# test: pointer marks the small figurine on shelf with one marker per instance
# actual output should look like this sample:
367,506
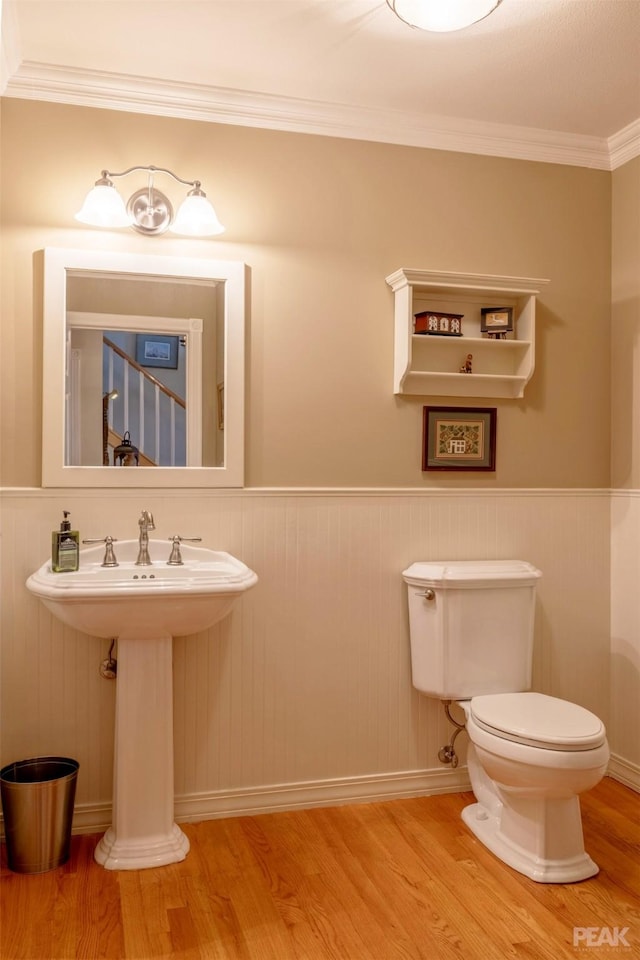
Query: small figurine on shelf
467,366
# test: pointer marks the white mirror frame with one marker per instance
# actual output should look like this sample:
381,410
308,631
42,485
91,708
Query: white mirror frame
55,473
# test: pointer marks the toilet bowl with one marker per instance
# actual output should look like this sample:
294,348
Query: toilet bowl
529,757
471,628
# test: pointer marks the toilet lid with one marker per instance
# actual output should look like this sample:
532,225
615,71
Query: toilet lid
538,720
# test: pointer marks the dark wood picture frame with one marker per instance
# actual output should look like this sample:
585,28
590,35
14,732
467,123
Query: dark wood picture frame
496,320
459,438
157,350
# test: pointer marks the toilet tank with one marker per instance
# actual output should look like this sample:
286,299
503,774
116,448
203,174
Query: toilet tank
471,626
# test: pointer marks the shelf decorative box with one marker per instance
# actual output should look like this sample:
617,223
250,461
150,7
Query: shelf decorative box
438,324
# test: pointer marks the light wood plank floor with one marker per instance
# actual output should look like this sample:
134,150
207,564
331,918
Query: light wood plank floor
402,879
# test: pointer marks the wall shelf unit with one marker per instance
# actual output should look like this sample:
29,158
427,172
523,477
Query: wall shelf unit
428,365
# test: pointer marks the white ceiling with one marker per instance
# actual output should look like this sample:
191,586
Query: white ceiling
553,80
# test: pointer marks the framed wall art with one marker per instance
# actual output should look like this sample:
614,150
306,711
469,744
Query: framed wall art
496,321
156,350
459,438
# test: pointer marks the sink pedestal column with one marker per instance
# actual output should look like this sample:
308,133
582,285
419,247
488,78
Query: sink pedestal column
143,832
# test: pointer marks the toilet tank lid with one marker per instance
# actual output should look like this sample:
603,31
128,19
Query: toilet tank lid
537,718
471,573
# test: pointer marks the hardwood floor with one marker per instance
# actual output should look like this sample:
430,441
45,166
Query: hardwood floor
402,879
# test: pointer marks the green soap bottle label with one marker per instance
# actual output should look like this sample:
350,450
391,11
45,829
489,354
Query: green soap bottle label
67,554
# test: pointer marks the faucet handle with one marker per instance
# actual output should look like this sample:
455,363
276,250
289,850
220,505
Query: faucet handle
175,560
109,555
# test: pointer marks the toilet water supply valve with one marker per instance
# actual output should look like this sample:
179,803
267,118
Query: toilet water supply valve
109,667
447,754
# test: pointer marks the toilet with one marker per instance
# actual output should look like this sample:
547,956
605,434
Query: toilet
530,755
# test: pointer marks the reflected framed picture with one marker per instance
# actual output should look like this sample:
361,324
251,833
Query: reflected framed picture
156,350
459,438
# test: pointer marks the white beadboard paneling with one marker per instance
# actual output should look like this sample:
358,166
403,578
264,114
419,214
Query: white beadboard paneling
309,680
624,729
54,701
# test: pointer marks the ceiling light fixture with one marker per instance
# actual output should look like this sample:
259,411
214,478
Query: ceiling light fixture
442,16
148,210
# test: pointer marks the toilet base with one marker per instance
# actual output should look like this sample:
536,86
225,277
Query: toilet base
489,826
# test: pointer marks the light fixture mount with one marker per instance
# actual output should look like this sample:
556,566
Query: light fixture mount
148,210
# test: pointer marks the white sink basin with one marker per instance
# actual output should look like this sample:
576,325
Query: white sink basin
144,607
145,601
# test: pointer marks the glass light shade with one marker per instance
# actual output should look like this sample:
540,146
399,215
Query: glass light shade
196,218
442,16
104,207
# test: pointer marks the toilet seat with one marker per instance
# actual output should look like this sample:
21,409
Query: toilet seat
538,720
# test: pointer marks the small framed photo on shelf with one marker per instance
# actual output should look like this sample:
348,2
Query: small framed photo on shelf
496,321
155,350
459,438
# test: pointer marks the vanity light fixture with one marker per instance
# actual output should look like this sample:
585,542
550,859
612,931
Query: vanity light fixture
442,16
148,210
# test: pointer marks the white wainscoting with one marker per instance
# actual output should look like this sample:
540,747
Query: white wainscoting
303,695
624,717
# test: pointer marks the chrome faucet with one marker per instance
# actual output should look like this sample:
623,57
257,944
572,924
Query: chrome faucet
145,523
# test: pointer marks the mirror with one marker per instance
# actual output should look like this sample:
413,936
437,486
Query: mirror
143,370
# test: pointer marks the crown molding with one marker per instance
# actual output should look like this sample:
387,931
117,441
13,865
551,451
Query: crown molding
625,145
133,94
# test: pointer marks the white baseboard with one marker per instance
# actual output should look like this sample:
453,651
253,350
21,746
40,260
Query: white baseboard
91,817
320,793
624,771
250,801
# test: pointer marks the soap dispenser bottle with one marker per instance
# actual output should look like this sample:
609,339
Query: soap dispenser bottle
65,547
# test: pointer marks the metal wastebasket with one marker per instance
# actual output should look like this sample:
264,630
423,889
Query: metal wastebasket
37,802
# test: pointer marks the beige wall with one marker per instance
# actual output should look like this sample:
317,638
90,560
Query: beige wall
321,222
625,327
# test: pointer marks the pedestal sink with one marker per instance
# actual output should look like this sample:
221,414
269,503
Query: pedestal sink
144,607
